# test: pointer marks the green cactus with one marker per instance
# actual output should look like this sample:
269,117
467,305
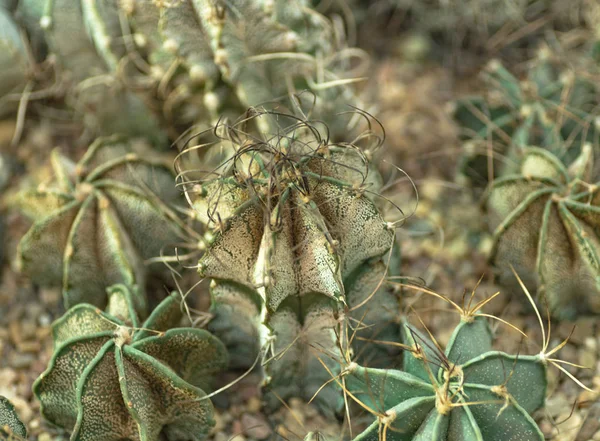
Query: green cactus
14,62
546,223
109,380
11,427
296,246
184,62
468,392
97,221
552,108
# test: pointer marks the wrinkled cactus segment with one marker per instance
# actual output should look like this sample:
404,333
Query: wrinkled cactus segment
96,222
109,379
11,426
546,223
137,63
291,225
552,108
467,392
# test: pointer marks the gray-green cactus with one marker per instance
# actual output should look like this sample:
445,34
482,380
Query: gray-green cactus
97,221
546,223
467,392
296,247
185,62
552,108
11,426
109,379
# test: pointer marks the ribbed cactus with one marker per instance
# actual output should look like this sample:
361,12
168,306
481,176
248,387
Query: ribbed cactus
11,426
109,379
97,221
546,223
136,62
468,392
296,247
553,108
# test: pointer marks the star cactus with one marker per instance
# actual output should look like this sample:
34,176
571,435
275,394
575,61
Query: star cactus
467,392
546,223
295,246
11,426
97,221
109,379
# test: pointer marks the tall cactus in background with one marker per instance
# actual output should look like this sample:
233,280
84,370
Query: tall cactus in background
135,63
297,252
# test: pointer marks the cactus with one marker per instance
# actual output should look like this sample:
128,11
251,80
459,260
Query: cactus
295,244
97,221
184,62
11,427
546,223
109,380
468,392
552,108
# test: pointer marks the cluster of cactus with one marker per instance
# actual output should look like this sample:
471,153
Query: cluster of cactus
112,378
538,139
296,247
467,392
133,64
552,108
97,221
11,426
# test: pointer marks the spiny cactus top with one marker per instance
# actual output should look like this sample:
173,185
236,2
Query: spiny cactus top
111,380
200,58
11,427
468,392
97,221
552,108
546,221
294,236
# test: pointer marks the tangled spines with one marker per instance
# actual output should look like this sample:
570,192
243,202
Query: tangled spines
116,379
151,68
467,392
293,232
97,221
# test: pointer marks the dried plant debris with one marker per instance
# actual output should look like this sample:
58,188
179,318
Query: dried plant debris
546,223
555,107
97,221
296,247
469,391
11,427
109,379
135,64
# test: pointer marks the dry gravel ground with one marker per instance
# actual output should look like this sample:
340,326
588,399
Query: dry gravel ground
437,246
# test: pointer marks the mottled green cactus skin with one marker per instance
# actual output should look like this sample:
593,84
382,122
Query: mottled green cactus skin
11,427
183,62
109,379
469,392
552,108
14,61
97,221
546,223
296,240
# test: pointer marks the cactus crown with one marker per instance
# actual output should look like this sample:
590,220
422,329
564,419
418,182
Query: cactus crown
87,230
546,218
469,391
112,379
292,227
